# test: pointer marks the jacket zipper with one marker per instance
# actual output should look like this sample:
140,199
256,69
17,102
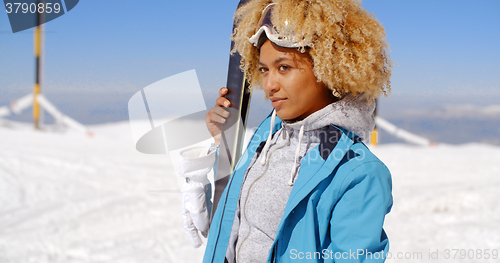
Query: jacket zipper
264,173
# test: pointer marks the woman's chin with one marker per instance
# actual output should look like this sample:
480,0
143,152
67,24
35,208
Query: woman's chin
285,116
280,114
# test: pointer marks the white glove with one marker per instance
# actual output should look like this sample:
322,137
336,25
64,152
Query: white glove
194,165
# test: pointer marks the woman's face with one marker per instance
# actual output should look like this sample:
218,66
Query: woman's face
290,84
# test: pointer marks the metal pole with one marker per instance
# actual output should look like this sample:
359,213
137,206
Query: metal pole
38,61
374,137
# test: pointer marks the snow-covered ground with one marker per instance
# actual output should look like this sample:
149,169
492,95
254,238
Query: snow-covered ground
446,197
73,198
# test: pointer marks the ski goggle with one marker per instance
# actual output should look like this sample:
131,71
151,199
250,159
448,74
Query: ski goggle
282,39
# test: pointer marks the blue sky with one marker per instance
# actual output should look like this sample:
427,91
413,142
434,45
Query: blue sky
445,50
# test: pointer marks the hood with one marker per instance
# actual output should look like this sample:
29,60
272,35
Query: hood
352,113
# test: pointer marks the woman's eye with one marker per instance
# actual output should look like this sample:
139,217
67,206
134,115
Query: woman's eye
262,70
284,67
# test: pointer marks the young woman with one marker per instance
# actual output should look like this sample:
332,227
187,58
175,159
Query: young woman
307,187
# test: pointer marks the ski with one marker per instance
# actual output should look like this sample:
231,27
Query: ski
233,130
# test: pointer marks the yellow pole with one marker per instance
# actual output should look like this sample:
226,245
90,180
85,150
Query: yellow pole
374,137
37,50
36,91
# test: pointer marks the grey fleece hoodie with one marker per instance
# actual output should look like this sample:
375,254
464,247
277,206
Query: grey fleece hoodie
269,181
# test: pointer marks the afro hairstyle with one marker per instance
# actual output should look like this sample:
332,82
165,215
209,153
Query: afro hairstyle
346,44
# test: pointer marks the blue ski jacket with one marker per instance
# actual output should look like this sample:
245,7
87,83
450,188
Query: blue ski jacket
335,212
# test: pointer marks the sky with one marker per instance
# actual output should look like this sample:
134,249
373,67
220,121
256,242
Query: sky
103,51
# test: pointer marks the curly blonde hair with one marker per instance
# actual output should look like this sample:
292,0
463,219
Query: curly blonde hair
346,44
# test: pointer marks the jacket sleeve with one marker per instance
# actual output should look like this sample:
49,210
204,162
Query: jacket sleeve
357,220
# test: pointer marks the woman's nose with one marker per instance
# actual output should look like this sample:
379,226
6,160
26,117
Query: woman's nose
270,83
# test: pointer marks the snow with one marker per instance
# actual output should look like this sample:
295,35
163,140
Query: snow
445,197
73,198
68,197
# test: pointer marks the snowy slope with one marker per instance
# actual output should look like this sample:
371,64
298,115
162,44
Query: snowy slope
72,198
446,197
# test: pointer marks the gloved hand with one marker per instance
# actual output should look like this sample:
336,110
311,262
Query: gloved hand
194,165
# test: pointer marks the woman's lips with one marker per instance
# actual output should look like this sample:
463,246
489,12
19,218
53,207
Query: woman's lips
276,102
